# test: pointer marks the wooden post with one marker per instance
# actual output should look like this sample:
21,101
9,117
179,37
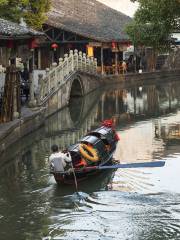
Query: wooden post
102,60
116,63
11,99
32,101
39,58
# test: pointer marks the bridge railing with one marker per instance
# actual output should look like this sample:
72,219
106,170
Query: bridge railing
59,73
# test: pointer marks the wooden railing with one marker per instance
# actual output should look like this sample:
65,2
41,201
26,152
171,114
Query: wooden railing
59,73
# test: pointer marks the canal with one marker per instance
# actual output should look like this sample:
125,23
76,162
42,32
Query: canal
127,204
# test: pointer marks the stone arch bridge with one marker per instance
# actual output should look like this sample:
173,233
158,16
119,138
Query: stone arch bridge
75,75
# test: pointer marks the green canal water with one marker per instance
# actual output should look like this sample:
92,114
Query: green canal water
126,204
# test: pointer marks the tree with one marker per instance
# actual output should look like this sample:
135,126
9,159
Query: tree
33,11
154,22
166,11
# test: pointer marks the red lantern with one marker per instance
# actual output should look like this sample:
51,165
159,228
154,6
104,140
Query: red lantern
10,44
33,43
114,45
54,46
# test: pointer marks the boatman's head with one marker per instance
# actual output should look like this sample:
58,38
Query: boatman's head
54,148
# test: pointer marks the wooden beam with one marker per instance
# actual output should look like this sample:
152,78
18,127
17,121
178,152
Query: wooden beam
3,37
58,35
48,29
102,60
64,42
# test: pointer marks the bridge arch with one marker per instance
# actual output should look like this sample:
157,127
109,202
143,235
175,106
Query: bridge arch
76,88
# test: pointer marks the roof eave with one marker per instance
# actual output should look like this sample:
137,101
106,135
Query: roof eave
89,36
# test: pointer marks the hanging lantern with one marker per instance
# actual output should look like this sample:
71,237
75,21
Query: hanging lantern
54,46
10,44
114,45
33,43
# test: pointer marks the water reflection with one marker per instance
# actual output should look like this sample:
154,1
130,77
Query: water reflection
122,204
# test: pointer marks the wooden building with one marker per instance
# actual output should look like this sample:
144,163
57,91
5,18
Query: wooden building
86,25
17,44
16,41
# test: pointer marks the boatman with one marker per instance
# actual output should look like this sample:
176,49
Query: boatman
59,160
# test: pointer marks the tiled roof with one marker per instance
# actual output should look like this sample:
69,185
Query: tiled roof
11,29
88,18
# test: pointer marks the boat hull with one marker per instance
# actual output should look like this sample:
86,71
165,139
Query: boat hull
80,174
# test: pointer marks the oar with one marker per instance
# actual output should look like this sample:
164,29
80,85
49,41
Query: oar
128,165
75,179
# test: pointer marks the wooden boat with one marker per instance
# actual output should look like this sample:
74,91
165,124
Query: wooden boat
95,149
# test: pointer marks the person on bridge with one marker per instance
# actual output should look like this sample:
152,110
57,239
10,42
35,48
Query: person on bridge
58,160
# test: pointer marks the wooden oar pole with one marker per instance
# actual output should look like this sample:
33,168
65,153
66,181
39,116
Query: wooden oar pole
75,179
154,164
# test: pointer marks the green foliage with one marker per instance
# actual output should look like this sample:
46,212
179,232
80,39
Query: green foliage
36,16
33,11
154,22
163,11
149,35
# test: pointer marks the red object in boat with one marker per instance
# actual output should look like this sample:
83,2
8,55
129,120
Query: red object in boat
108,123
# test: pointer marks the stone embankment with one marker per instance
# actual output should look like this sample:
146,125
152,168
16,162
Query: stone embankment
130,80
13,131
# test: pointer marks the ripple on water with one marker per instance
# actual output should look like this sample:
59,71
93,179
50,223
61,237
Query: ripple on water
117,215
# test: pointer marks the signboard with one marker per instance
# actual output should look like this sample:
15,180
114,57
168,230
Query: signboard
90,51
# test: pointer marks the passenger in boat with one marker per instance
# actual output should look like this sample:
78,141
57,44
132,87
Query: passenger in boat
58,160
